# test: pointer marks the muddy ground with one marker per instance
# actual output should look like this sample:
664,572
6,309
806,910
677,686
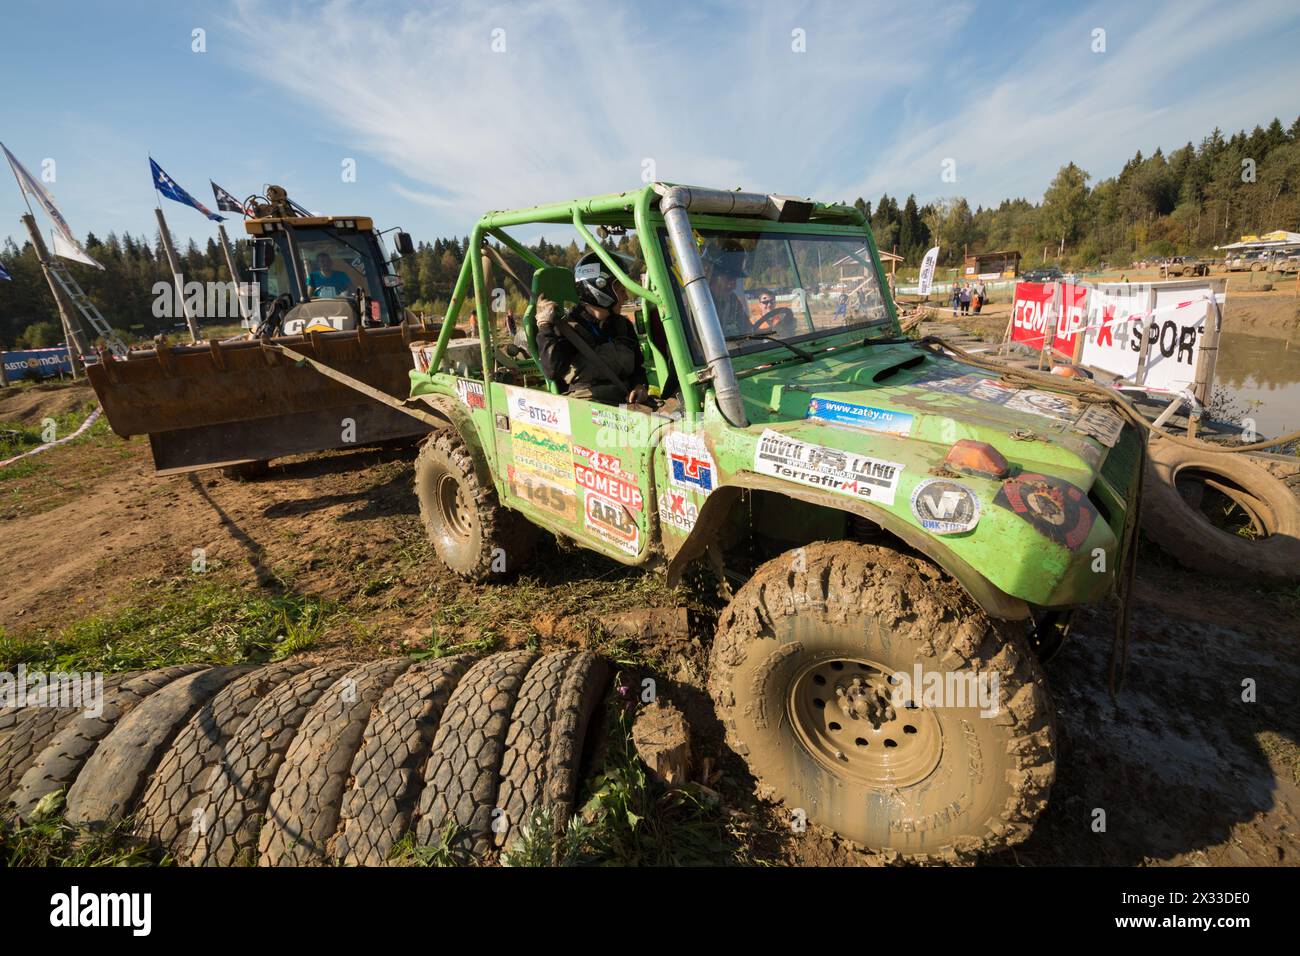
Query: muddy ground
1186,772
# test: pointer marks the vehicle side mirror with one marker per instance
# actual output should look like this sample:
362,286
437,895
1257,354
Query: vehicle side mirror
403,243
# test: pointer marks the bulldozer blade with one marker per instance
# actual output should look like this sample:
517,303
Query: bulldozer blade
222,403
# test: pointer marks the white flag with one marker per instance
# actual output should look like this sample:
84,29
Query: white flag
69,248
927,271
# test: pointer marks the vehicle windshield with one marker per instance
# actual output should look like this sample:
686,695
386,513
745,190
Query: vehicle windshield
786,286
335,266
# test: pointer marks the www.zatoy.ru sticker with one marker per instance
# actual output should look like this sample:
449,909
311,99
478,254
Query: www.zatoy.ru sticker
1057,510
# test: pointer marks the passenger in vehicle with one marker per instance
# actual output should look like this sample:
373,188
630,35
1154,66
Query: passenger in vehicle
592,350
725,269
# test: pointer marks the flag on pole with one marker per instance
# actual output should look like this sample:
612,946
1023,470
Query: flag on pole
169,188
65,243
227,202
927,271
5,275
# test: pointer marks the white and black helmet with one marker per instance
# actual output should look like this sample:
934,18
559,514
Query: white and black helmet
594,280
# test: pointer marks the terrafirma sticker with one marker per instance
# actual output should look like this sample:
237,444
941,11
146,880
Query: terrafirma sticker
830,469
75,909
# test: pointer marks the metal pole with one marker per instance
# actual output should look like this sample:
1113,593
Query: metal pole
236,275
72,332
177,278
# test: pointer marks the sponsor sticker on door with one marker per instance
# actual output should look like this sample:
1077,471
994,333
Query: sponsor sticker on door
690,466
612,522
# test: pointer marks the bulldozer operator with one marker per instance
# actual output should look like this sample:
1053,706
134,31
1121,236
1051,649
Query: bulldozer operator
326,282
591,350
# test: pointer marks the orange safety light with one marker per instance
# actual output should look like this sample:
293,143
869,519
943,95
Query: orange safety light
977,458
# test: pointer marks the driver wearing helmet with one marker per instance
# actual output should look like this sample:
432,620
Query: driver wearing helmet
592,351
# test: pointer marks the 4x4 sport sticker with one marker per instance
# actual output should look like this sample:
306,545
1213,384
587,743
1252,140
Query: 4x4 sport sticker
1057,509
827,468
945,507
860,416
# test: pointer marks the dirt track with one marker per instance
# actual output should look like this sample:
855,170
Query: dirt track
1186,772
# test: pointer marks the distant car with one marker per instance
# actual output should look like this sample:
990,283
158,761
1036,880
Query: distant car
1043,274
1186,266
1290,265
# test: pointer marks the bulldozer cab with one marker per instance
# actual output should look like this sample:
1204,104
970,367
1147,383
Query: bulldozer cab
330,274
327,294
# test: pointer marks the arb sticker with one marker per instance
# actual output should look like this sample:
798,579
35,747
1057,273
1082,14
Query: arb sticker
612,522
1057,509
945,507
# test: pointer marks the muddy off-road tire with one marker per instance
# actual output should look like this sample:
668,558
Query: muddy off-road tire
59,763
115,775
463,773
303,812
177,786
473,534
24,732
799,674
388,772
228,819
544,744
1173,518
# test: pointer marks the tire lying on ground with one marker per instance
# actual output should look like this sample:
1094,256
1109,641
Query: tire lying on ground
115,775
804,674
462,777
176,787
544,743
388,772
59,763
1176,484
228,819
24,732
303,812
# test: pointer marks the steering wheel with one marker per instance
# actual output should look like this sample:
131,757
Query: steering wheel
780,319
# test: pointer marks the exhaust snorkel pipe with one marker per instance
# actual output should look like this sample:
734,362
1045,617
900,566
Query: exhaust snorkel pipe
673,205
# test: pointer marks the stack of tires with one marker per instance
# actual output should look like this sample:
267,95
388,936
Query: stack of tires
316,764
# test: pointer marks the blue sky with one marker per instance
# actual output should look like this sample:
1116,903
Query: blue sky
442,127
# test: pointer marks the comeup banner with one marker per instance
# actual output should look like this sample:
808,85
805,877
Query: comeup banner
1162,336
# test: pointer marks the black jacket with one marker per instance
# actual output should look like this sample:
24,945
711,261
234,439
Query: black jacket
613,339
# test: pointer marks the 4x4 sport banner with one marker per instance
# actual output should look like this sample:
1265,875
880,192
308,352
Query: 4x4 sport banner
1110,319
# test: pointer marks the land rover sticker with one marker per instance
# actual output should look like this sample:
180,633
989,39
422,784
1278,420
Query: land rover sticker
945,507
827,468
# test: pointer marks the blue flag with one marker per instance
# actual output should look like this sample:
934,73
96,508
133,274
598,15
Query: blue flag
4,275
172,190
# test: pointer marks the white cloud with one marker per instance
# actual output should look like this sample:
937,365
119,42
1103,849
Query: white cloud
714,95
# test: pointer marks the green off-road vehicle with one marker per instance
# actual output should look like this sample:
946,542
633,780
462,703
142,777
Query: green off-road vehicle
908,535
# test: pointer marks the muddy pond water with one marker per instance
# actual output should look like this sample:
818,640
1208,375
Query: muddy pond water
1260,378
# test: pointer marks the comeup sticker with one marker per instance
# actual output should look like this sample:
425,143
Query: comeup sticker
945,507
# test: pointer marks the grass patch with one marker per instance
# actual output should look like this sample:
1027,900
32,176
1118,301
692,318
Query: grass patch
184,621
18,437
50,840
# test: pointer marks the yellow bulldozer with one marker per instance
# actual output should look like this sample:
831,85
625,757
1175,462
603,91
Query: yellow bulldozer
325,292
